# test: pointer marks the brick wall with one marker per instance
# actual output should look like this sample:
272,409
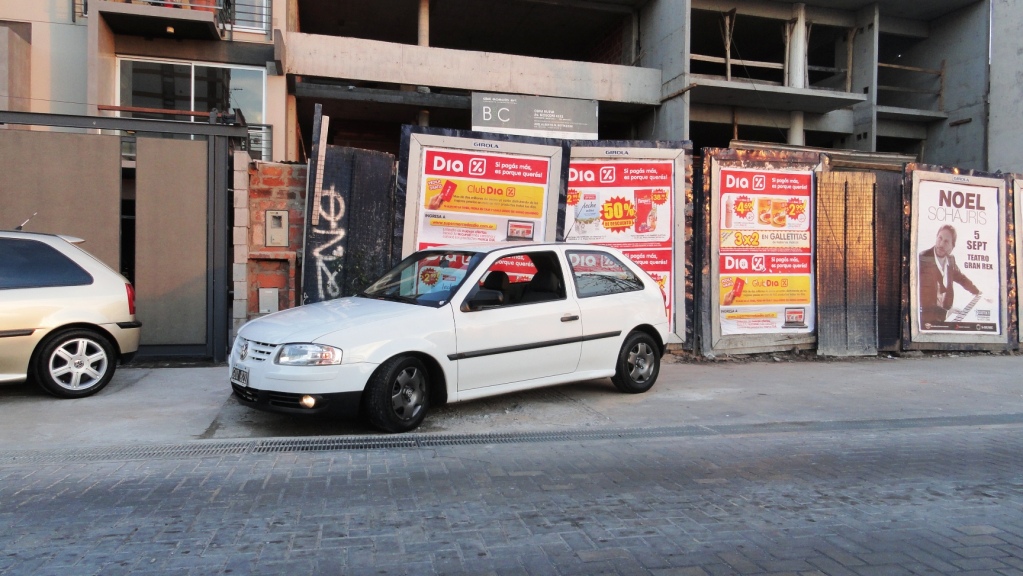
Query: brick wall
259,187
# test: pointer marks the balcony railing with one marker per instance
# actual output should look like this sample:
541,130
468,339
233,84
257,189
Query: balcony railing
231,15
261,143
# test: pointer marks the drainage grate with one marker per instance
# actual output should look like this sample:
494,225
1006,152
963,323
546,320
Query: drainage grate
214,448
196,450
330,443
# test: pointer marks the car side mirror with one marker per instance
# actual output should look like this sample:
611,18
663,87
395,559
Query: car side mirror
483,298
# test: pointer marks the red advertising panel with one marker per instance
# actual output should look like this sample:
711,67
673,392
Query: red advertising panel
628,205
765,267
471,196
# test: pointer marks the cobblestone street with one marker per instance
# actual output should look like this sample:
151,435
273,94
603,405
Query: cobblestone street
885,497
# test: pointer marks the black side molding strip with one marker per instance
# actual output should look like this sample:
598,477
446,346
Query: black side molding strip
13,333
126,325
533,346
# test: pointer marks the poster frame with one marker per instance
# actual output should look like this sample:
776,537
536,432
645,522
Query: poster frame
417,139
680,153
915,173
712,342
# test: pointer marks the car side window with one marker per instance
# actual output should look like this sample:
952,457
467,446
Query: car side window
598,274
525,278
28,263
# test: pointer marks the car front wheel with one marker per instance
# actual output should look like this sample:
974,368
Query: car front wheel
75,363
638,364
398,395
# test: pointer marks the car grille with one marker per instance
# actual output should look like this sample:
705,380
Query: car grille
247,394
284,399
278,399
260,351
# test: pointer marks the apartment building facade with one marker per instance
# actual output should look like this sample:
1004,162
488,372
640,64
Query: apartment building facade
933,78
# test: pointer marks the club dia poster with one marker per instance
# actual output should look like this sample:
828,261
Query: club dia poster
470,197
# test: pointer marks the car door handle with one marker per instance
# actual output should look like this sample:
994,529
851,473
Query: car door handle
569,318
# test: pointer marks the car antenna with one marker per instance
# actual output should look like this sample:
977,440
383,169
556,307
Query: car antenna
22,225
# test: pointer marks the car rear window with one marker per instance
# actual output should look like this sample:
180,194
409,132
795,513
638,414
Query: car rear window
28,263
599,274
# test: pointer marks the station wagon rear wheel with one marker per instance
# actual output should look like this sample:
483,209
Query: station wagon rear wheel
398,394
639,363
75,363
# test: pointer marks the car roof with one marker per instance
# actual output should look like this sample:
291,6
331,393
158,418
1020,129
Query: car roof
40,235
487,247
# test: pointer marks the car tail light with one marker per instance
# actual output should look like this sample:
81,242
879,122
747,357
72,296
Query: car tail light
131,298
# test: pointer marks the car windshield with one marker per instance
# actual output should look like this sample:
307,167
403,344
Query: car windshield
428,278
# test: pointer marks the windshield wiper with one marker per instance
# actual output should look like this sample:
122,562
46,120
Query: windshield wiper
391,297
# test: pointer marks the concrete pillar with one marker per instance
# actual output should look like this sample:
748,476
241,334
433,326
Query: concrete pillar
424,40
424,22
797,69
797,136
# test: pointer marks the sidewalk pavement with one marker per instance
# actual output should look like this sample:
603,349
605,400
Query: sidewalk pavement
145,405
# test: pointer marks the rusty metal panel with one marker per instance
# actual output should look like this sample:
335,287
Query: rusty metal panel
691,249
845,264
888,258
1014,222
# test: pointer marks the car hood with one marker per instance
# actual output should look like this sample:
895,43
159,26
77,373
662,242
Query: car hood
312,322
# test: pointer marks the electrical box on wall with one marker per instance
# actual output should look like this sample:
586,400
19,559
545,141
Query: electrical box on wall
277,228
268,300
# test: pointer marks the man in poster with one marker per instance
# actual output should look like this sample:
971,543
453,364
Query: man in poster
938,274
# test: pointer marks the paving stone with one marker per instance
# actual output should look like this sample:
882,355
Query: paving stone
906,500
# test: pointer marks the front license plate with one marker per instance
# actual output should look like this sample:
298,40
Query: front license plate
240,375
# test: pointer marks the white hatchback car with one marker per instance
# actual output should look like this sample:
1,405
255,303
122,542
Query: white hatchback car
455,323
66,318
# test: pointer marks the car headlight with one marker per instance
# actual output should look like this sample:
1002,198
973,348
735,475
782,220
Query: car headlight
308,355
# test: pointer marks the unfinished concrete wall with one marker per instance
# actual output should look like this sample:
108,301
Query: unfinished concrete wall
865,48
1006,105
337,57
959,40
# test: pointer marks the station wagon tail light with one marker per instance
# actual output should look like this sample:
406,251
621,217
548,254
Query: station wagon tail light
308,355
131,297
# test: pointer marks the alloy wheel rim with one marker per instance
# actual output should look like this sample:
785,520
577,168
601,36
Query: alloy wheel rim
641,362
78,364
408,393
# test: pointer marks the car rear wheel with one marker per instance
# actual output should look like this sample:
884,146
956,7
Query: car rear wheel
639,363
398,395
75,363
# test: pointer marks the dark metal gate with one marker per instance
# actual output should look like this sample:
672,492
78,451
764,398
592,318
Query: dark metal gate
353,223
172,202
